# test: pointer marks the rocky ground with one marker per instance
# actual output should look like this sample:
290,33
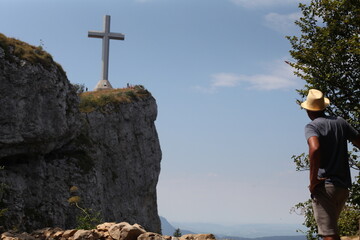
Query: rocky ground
105,231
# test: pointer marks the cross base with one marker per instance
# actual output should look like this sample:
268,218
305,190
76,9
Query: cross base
103,84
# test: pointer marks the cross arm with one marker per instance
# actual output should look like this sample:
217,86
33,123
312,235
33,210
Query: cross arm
118,36
96,34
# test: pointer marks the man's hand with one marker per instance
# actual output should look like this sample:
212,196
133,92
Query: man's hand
314,183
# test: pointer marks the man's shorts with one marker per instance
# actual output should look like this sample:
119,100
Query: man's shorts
328,201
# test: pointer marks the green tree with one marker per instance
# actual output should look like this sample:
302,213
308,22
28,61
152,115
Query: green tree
327,57
327,54
177,233
79,88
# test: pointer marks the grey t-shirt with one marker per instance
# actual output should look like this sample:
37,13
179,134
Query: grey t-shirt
333,133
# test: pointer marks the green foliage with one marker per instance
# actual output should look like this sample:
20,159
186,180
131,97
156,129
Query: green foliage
349,220
87,219
327,54
301,161
327,57
305,209
177,233
79,88
90,101
130,94
354,198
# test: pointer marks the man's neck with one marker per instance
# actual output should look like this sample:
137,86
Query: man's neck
314,115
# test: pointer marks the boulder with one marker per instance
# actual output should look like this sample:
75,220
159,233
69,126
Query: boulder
150,236
69,233
125,231
86,235
16,236
105,226
48,233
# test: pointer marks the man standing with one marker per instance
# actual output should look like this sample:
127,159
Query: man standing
329,166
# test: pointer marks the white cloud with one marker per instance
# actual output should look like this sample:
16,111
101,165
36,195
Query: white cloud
268,82
225,80
262,3
283,23
280,76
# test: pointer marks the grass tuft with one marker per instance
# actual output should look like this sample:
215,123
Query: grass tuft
90,101
26,52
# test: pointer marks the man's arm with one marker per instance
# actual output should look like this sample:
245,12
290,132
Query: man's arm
314,157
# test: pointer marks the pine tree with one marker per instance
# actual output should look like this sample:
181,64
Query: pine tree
177,233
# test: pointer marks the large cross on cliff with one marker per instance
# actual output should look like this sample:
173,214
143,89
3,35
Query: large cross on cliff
106,35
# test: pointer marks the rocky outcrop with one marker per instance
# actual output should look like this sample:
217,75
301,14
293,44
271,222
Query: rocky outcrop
105,231
38,108
48,148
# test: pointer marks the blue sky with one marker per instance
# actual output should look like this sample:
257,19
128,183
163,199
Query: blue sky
228,122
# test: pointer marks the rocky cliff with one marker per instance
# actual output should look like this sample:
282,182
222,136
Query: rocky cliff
47,146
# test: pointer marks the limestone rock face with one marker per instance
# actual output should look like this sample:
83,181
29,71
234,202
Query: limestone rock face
112,155
38,108
128,134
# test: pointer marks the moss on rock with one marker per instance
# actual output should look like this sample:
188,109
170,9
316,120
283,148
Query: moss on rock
14,47
90,101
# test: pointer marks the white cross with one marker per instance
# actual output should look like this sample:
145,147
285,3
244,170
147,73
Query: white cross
106,35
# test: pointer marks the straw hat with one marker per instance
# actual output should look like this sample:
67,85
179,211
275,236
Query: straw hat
315,101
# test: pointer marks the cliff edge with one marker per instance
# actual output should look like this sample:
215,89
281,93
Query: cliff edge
111,153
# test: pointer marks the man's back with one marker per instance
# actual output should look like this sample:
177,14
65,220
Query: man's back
333,133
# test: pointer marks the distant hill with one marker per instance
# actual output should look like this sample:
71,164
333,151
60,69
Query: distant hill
242,230
265,238
168,229
238,232
283,238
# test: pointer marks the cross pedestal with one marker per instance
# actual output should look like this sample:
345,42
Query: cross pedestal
106,35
